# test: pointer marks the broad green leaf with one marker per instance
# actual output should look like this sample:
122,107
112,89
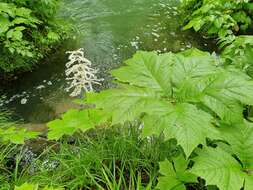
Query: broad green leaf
248,183
74,120
192,65
175,175
240,138
53,36
228,111
23,12
8,8
147,69
27,186
219,168
16,135
4,24
189,125
223,92
231,86
200,90
194,52
14,34
127,103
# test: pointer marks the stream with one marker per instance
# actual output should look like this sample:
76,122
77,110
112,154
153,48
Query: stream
110,31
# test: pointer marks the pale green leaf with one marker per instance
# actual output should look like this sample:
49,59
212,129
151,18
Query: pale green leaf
27,186
175,175
127,103
74,120
16,135
189,125
219,168
147,69
4,24
240,138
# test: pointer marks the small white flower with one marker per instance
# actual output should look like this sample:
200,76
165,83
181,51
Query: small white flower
23,101
40,87
49,83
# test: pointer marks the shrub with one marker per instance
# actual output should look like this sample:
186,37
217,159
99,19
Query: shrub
219,17
28,32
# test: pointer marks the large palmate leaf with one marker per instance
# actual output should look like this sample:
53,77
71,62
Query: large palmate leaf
74,120
177,94
223,92
189,125
175,175
148,70
219,168
16,135
240,139
192,64
127,102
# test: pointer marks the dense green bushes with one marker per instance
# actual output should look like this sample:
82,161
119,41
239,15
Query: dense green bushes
228,21
220,18
28,32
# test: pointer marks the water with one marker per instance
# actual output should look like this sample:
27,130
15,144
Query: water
110,32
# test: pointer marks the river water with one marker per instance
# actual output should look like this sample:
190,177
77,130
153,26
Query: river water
110,31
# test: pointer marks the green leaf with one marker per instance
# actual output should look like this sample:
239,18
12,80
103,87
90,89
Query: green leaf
192,65
189,125
53,36
175,175
223,92
240,138
4,24
182,105
74,120
27,186
14,34
147,70
219,168
16,135
127,103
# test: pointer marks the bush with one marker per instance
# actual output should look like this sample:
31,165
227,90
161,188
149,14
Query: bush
28,31
219,17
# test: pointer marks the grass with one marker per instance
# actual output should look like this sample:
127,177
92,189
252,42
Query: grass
114,158
111,159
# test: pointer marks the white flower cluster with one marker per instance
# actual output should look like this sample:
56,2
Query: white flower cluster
80,74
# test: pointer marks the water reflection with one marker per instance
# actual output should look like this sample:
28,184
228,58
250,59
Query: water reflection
111,31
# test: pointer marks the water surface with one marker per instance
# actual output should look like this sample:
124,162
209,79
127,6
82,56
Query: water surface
110,31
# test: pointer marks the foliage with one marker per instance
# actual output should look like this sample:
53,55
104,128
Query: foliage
16,135
227,20
230,167
5,152
239,53
192,110
28,31
220,17
183,105
188,96
27,186
175,174
9,132
72,121
108,158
